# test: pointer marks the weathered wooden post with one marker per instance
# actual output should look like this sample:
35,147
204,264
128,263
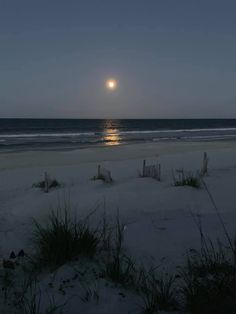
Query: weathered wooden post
144,166
159,172
108,177
46,181
99,171
205,164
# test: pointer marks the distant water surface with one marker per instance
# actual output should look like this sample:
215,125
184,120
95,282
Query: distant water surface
25,134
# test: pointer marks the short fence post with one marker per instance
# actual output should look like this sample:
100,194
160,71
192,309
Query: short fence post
159,172
99,171
144,165
205,164
46,187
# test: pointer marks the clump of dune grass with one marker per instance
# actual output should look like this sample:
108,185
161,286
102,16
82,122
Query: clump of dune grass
120,269
64,239
209,278
42,185
31,302
21,292
7,283
187,179
91,292
209,282
117,266
158,292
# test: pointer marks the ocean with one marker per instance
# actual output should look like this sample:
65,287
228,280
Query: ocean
33,134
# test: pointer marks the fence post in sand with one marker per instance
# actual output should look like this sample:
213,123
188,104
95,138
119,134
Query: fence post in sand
159,172
46,187
205,164
144,165
99,171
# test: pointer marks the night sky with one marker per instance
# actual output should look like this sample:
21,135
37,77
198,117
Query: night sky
172,58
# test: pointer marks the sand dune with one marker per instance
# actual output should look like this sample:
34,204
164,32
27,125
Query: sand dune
158,216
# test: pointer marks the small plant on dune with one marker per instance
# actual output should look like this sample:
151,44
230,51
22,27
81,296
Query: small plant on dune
41,184
31,302
7,283
209,290
209,279
158,293
187,179
106,234
118,267
64,239
91,292
155,290
53,308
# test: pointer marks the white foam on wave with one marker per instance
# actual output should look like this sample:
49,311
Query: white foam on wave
31,135
179,130
112,132
203,137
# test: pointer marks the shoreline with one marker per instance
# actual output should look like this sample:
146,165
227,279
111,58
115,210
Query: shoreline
70,148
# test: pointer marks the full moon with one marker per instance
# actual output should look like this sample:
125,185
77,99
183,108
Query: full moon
111,84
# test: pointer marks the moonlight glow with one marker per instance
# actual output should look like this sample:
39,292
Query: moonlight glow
111,84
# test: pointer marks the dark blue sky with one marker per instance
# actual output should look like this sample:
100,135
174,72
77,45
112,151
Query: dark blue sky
172,58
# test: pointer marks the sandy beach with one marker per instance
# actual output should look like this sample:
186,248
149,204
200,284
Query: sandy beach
159,218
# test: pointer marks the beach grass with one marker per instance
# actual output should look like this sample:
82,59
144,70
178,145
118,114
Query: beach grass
64,239
209,280
187,179
42,185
